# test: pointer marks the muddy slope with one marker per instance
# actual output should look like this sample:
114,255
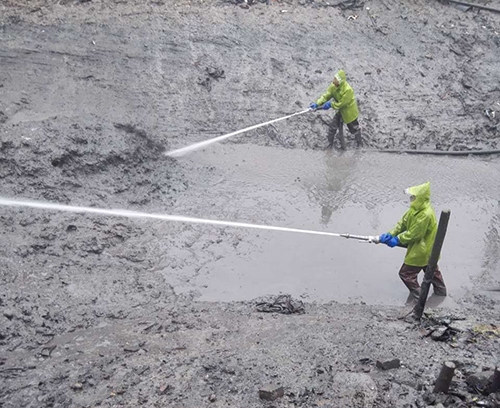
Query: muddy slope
423,72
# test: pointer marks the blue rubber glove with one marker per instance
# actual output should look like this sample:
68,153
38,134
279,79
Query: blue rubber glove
385,238
313,105
394,241
327,105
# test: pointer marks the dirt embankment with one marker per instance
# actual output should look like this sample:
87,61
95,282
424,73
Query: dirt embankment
93,92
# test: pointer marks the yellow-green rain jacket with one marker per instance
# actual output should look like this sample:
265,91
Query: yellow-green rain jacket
417,229
345,102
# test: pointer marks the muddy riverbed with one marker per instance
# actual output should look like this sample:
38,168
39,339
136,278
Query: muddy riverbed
102,312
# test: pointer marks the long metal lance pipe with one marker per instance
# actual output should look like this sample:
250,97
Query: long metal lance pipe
201,145
136,214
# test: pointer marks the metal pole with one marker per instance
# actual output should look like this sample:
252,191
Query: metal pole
433,261
478,6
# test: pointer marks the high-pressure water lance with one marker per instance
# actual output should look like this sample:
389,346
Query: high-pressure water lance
368,239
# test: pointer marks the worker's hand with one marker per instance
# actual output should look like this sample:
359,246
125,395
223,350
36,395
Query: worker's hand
313,105
393,242
327,105
385,238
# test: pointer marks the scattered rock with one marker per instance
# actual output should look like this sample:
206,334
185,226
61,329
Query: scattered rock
165,389
215,72
271,392
47,351
77,386
480,382
212,398
9,314
388,364
440,334
354,386
131,349
466,84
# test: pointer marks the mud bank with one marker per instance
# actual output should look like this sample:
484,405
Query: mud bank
106,312
423,73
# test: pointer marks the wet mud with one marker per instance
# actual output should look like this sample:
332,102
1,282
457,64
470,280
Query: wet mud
105,312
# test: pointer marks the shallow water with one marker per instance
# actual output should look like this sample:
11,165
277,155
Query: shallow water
356,193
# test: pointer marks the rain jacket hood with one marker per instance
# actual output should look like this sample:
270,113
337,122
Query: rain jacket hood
343,98
418,226
340,77
422,195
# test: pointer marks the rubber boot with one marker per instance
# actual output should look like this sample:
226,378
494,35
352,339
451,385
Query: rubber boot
341,136
331,137
358,138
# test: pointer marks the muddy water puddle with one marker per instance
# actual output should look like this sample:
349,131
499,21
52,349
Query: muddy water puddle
358,193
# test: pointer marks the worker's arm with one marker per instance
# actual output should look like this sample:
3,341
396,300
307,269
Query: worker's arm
417,230
344,101
400,226
326,96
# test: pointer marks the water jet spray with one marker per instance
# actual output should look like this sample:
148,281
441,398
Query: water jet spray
7,202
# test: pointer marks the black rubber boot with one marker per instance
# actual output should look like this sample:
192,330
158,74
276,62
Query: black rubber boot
358,138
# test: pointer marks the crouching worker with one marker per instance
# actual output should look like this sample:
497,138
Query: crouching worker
416,231
340,96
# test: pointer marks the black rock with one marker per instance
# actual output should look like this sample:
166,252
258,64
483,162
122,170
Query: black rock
389,364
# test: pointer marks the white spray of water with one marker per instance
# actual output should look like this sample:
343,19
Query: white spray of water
136,214
201,145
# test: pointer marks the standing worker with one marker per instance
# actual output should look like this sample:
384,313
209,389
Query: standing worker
344,101
416,230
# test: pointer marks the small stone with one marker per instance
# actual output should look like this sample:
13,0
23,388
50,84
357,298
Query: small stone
9,314
77,386
389,364
212,398
47,351
439,334
165,389
271,392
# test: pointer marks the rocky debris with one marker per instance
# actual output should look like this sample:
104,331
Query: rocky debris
388,364
212,398
47,351
3,118
485,382
165,389
359,388
442,328
77,386
212,73
271,392
283,304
